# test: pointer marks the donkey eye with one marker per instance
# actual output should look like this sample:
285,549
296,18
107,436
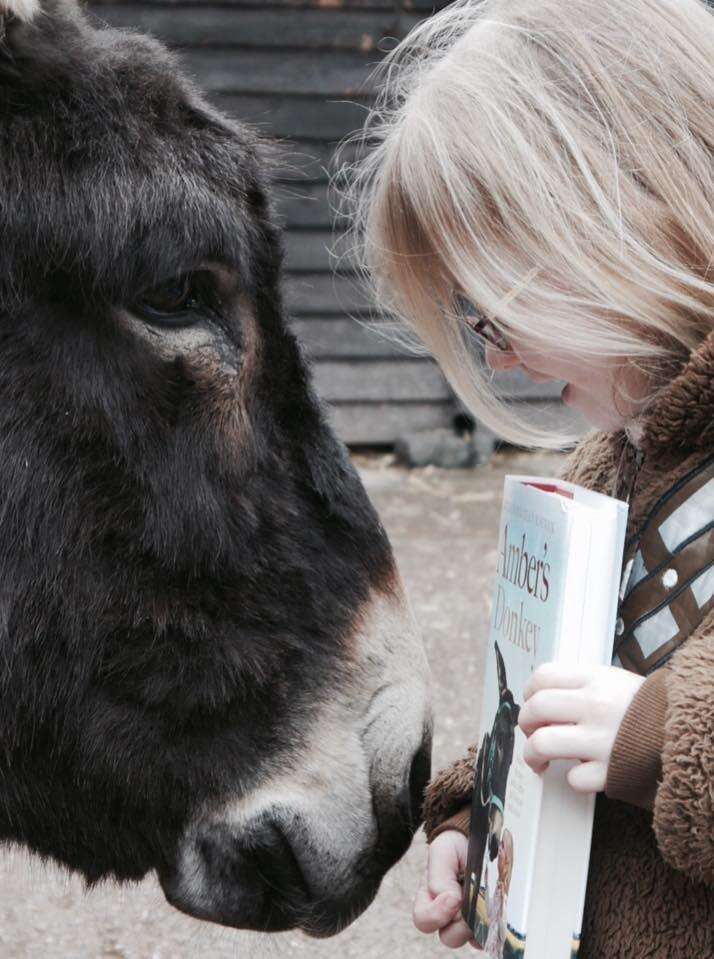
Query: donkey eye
180,301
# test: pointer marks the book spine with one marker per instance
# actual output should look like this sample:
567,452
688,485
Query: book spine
571,813
563,813
601,613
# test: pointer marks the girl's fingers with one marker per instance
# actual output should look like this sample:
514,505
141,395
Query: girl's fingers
456,934
447,861
556,676
422,912
432,914
551,706
438,899
560,742
588,777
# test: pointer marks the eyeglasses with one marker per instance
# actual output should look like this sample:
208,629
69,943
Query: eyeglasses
484,328
483,325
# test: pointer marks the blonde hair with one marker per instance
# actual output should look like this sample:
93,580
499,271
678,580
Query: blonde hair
561,149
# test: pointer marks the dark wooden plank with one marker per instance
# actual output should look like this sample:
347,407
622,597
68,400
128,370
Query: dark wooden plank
346,338
381,381
309,206
317,118
311,251
279,4
366,424
408,380
204,26
370,424
325,294
304,206
328,74
425,7
300,161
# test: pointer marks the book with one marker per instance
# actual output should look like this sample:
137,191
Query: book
555,600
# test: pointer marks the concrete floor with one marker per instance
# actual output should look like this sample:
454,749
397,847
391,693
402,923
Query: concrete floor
442,526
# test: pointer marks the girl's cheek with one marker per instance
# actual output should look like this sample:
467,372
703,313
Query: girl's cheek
537,376
498,361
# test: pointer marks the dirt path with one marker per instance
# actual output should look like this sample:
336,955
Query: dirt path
442,526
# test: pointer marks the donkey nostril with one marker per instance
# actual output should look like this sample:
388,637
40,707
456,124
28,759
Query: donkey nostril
252,880
273,859
418,778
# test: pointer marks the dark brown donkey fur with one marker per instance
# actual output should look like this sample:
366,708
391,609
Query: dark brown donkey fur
185,549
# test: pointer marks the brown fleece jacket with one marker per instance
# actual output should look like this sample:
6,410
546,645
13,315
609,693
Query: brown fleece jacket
651,881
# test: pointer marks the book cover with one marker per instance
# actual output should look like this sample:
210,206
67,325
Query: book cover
529,616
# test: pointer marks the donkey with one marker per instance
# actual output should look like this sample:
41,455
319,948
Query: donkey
208,668
493,765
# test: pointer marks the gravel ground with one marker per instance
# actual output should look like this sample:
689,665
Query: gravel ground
442,526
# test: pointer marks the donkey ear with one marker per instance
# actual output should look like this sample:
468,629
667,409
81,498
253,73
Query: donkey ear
22,9
501,667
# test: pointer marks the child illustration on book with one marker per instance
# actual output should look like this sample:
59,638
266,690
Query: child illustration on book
492,768
496,902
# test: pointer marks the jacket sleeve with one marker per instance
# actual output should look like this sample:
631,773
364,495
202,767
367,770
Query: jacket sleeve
448,797
663,757
635,768
684,801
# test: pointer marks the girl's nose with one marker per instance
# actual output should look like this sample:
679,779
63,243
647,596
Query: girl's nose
500,360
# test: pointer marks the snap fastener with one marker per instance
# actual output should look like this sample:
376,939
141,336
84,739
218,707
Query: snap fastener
670,578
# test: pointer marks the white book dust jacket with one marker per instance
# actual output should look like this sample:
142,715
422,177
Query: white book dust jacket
554,599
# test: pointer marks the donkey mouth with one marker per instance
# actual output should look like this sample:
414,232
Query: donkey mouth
255,882
330,919
313,865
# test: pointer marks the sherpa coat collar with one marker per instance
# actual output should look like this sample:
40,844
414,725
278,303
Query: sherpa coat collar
680,418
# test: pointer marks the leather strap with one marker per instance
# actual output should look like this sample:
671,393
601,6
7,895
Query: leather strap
673,590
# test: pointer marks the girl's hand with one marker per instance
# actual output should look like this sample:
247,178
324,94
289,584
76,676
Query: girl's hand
575,713
437,905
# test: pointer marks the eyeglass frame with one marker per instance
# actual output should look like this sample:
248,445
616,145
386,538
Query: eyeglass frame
483,325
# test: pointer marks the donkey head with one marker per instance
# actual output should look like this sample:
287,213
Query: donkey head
501,741
208,668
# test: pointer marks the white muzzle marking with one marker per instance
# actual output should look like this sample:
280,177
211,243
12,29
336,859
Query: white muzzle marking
359,753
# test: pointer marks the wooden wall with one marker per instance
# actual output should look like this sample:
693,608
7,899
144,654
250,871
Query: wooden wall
298,70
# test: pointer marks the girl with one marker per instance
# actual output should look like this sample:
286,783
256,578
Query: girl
543,178
496,939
